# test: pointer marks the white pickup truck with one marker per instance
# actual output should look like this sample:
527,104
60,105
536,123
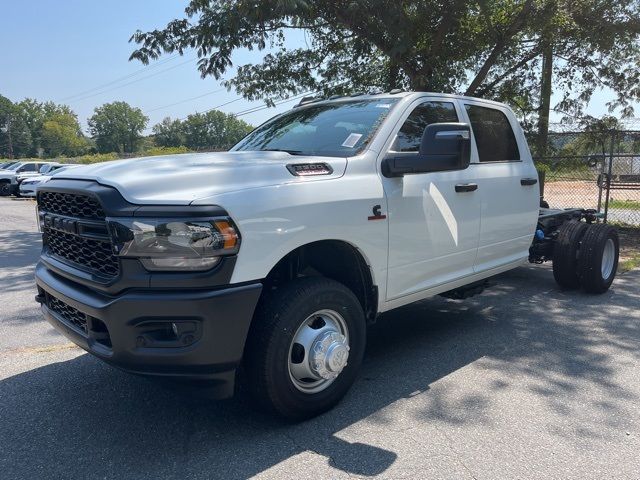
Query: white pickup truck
267,262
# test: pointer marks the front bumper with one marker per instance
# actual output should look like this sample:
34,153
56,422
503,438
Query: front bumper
135,330
27,190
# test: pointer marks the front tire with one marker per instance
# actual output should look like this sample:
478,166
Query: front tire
305,347
5,188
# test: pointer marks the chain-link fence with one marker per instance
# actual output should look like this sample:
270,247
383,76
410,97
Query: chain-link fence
596,168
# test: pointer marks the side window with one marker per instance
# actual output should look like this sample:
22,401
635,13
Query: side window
29,167
410,135
494,136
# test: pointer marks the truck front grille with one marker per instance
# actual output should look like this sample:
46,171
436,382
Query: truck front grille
64,216
70,205
67,313
86,253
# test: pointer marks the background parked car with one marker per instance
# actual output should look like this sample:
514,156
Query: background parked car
5,165
49,167
29,186
8,177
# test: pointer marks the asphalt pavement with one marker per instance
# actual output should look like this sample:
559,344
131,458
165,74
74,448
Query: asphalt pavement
524,381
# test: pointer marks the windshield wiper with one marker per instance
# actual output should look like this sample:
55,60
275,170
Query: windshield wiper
291,152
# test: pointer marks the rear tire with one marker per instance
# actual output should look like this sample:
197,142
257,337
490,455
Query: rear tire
598,258
5,188
565,254
275,354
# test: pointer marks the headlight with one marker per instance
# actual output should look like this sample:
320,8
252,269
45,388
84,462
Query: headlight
175,243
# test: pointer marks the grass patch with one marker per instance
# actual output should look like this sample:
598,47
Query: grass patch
629,264
625,204
629,247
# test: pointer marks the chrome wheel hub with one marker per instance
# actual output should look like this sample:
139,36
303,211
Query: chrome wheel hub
608,259
329,355
319,351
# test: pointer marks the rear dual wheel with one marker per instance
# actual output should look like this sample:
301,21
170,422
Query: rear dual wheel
565,254
586,255
598,258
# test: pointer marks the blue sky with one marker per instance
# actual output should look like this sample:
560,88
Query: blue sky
56,50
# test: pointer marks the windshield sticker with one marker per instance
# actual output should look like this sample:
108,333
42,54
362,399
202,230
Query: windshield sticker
383,105
351,140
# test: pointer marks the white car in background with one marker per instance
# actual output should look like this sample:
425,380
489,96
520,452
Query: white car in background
9,177
6,165
29,186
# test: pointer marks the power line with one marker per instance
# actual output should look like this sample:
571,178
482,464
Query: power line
133,81
185,100
247,111
264,107
212,108
133,74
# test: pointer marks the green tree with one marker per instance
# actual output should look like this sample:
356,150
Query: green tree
213,130
61,135
36,114
15,138
169,133
488,48
117,127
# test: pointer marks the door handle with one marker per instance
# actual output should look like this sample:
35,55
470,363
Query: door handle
528,181
466,187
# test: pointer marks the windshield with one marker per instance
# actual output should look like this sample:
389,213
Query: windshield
15,166
61,168
337,129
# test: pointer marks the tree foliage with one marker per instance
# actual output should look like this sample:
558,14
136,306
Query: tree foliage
488,48
168,133
117,127
211,130
33,129
15,138
53,128
61,135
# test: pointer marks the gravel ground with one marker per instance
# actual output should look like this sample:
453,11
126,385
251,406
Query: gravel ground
523,381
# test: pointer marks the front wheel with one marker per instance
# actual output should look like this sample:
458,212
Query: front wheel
305,347
5,189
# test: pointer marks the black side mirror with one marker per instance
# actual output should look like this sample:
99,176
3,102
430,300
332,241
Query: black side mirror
444,146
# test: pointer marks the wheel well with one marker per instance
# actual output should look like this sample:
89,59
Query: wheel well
333,259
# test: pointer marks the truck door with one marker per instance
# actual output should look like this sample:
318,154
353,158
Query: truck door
508,192
433,226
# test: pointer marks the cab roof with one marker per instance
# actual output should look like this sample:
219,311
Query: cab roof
392,94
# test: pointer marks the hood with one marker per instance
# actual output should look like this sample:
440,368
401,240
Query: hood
181,179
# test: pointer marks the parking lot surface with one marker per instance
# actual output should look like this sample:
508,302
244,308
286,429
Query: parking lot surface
523,381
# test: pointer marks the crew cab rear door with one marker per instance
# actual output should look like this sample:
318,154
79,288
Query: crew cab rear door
508,192
433,222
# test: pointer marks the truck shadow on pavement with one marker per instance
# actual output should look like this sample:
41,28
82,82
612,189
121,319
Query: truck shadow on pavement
19,251
82,419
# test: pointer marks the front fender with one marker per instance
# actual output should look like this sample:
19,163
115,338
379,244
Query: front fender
274,221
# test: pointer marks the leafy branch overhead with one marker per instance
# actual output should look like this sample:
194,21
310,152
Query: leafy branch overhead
490,48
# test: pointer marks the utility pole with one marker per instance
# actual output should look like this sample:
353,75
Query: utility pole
7,129
545,99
